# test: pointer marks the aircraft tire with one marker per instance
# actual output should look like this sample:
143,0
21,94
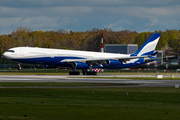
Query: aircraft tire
74,73
91,73
84,73
19,68
94,73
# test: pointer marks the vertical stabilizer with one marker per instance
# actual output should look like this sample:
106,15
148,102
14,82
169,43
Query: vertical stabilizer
149,46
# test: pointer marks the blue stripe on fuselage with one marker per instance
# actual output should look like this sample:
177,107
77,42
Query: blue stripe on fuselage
45,60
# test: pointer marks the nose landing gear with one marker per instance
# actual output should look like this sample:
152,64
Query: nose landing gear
19,66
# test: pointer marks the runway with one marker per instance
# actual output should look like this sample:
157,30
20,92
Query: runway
70,79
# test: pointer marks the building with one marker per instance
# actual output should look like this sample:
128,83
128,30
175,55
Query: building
159,55
121,48
128,49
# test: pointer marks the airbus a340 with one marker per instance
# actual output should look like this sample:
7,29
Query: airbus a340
84,60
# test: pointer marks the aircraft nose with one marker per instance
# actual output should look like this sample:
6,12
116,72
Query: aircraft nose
4,55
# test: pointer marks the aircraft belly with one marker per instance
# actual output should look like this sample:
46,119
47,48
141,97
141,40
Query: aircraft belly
45,60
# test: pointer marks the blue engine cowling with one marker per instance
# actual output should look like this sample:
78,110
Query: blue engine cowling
80,65
111,62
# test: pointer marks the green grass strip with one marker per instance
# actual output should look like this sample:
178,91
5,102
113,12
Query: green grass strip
90,103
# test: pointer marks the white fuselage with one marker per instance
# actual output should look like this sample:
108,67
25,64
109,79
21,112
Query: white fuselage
33,52
47,56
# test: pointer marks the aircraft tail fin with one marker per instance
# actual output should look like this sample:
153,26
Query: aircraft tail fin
149,46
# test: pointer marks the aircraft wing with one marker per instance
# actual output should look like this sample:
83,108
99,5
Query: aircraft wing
124,59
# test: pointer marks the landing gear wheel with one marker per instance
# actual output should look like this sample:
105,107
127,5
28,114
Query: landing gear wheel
84,71
94,73
74,73
91,73
19,66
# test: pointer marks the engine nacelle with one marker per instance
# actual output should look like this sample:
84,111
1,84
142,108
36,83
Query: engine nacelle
80,65
111,62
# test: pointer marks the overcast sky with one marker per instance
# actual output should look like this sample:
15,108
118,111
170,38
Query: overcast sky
82,15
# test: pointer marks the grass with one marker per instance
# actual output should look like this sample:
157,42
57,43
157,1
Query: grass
80,103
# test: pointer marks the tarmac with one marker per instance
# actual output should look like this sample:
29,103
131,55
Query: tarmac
89,79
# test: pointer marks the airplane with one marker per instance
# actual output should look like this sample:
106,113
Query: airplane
84,60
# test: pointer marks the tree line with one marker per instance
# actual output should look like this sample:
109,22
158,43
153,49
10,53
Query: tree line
86,40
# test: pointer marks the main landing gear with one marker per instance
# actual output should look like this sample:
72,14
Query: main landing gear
85,72
91,73
74,73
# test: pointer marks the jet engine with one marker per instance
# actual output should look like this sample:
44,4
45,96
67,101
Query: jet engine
111,62
80,65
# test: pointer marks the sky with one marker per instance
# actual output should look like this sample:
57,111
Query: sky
83,15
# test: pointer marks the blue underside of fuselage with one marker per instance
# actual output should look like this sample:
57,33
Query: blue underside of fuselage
56,62
47,61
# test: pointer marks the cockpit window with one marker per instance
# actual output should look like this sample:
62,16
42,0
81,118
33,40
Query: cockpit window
10,51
